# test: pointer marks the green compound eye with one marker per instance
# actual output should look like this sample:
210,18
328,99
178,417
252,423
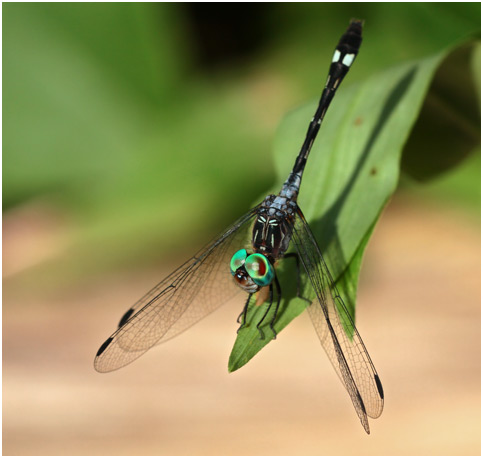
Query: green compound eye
238,260
260,269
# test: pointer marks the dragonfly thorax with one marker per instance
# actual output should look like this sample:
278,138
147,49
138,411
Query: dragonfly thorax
273,226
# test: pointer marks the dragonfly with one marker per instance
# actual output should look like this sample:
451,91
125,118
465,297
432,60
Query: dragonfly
244,259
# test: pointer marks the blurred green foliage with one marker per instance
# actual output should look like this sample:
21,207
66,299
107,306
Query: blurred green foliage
110,116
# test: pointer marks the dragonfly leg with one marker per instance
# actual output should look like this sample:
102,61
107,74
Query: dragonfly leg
242,318
262,335
279,297
274,317
299,277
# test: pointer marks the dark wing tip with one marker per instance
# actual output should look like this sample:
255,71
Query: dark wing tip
125,317
379,386
103,347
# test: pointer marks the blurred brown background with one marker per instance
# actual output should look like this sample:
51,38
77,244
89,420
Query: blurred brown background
125,129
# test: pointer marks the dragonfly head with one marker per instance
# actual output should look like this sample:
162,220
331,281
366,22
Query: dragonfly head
251,272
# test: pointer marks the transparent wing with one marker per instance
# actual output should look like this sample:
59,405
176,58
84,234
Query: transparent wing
191,292
334,325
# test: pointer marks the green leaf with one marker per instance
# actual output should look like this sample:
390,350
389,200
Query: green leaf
448,126
351,174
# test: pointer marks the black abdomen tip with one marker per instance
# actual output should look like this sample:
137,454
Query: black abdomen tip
356,26
352,38
103,347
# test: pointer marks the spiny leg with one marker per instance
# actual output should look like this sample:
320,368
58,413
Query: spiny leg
274,317
243,314
262,335
279,297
